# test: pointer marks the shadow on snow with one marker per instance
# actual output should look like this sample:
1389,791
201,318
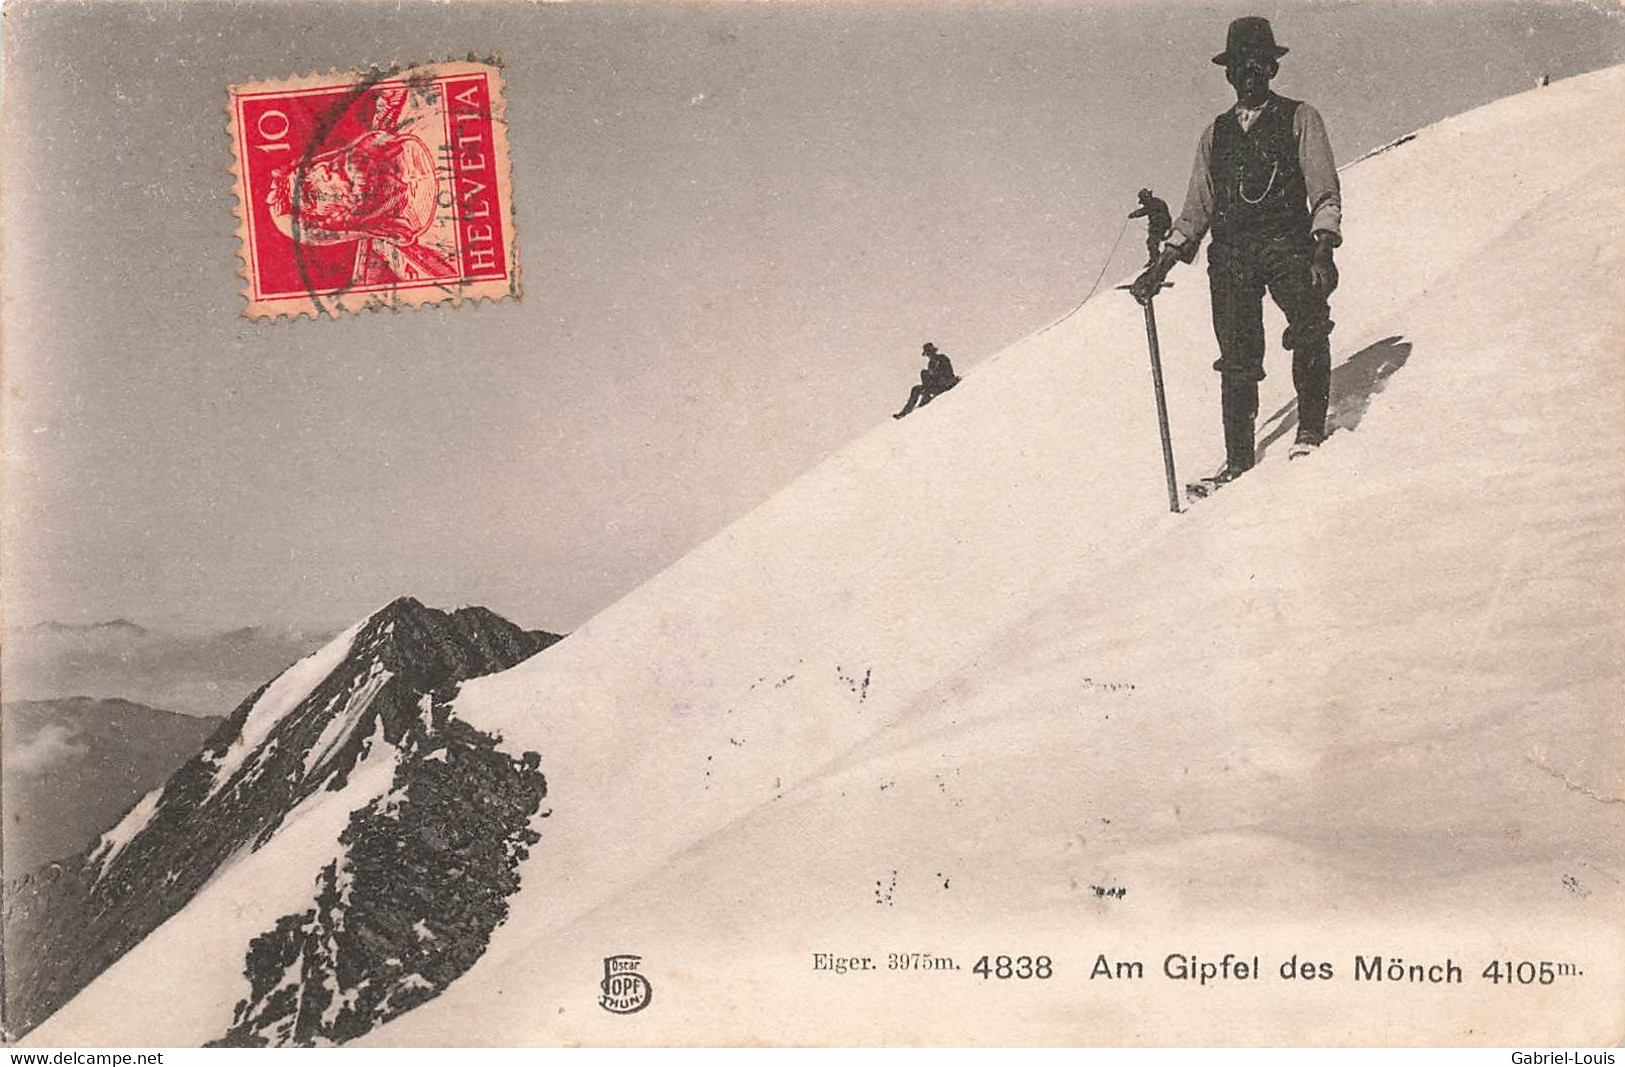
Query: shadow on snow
1354,382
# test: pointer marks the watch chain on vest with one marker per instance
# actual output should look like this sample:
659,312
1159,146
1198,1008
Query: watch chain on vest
1258,184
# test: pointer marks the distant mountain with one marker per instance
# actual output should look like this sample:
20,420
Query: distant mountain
72,767
354,737
195,674
117,626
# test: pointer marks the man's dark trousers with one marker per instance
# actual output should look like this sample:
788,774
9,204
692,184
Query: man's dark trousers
1238,275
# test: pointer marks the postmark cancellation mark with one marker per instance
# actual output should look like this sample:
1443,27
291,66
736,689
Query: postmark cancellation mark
383,189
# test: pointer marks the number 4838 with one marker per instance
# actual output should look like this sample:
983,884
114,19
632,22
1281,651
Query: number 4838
1013,967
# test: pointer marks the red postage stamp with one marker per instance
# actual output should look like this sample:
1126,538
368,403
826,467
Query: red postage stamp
385,189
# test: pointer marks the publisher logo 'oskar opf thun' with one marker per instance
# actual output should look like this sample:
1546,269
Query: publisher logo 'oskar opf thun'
623,990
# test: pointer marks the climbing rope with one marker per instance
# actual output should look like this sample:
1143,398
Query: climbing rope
1092,288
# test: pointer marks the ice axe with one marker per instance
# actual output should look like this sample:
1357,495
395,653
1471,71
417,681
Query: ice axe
1162,401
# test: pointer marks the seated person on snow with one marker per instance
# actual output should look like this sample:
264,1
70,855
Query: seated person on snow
937,378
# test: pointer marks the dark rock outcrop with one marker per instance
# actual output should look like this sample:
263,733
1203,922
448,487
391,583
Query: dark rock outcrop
409,905
66,923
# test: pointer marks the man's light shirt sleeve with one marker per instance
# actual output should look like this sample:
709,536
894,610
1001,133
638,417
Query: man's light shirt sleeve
1319,174
1193,221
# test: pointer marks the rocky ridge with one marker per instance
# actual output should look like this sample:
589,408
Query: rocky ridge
455,816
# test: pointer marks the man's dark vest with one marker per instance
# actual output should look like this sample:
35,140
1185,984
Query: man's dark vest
1258,186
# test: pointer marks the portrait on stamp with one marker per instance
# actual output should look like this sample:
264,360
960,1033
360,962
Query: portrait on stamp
388,189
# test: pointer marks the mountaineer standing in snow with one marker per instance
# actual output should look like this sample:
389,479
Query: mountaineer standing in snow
1266,183
1154,210
937,378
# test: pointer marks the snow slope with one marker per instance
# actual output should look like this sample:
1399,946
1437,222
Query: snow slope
290,688
968,688
1376,694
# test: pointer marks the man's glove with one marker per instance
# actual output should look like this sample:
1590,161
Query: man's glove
1150,280
1322,271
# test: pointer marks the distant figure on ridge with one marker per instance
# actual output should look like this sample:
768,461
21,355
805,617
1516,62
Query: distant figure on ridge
937,378
1266,183
1157,223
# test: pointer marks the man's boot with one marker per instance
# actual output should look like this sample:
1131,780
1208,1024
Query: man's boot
1312,377
1239,398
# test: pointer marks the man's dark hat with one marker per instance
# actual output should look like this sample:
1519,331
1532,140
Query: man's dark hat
1145,194
929,348
1249,36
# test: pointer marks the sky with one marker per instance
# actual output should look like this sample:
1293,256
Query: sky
737,225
